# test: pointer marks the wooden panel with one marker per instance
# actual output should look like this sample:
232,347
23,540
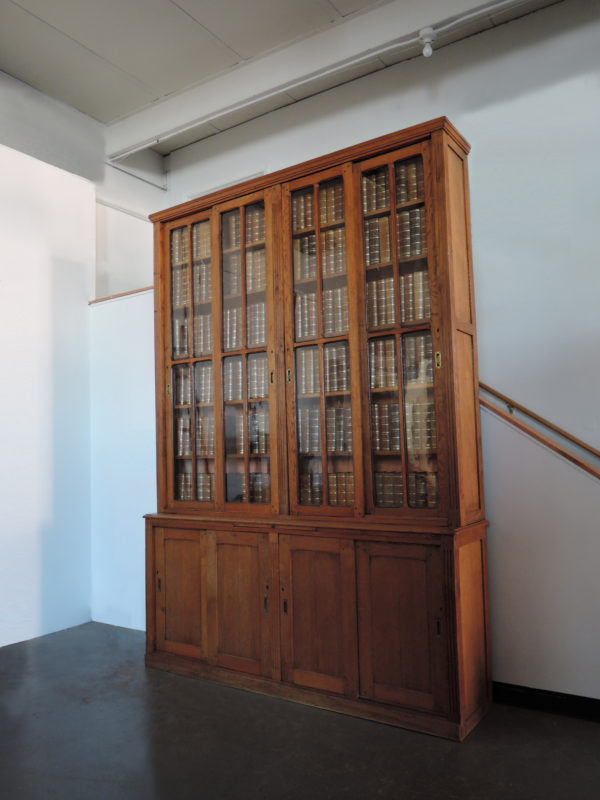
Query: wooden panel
467,436
318,620
401,639
181,592
240,616
472,627
459,233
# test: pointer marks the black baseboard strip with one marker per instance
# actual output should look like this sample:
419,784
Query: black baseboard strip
555,702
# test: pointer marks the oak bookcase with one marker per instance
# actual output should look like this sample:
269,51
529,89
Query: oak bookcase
320,533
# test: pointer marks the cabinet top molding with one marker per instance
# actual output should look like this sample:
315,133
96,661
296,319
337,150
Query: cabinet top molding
390,141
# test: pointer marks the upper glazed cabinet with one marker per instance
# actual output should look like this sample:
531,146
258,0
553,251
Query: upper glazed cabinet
316,343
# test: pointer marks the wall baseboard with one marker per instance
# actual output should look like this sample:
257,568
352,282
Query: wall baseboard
556,702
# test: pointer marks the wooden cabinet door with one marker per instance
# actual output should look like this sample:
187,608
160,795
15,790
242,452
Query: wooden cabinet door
240,619
402,642
318,613
181,598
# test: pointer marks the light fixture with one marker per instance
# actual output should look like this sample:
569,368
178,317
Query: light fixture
426,37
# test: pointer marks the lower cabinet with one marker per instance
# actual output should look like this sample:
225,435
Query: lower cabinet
372,628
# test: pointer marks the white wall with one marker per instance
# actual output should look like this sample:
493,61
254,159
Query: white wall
47,236
123,455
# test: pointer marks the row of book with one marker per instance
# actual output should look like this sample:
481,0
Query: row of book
235,487
232,274
336,367
183,434
201,240
423,489
307,371
331,201
418,358
340,488
381,307
205,487
180,343
256,270
411,233
309,430
333,251
182,386
389,489
232,379
180,286
338,429
204,382
258,432
255,223
415,298
231,233
202,281
304,250
383,373
375,189
377,247
202,334
421,433
256,323
409,180
235,442
180,251
302,209
306,316
335,311
311,489
385,427
258,376
232,328
205,435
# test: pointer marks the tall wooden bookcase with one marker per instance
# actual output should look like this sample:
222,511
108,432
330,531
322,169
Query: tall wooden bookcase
320,532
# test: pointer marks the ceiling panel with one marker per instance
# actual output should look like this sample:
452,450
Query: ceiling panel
66,70
346,7
152,40
271,23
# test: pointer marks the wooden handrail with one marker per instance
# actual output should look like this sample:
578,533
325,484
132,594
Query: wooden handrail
545,440
120,294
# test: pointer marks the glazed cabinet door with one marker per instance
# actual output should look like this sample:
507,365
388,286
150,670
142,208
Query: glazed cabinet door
181,592
323,373
401,353
318,613
402,641
240,583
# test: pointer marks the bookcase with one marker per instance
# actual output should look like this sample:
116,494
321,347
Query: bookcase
320,532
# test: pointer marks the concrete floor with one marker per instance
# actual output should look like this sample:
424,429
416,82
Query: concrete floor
81,717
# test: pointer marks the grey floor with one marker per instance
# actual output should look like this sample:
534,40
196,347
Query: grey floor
81,717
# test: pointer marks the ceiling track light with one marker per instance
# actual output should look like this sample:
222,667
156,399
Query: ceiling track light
427,37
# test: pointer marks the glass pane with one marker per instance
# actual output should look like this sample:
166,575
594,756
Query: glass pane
305,257
255,263
182,431
420,421
385,423
302,209
411,234
381,305
180,292
338,424
308,426
415,299
375,189
409,180
232,279
331,201
377,249
235,430
258,428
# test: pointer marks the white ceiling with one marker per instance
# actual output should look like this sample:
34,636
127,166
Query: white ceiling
111,58
163,73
